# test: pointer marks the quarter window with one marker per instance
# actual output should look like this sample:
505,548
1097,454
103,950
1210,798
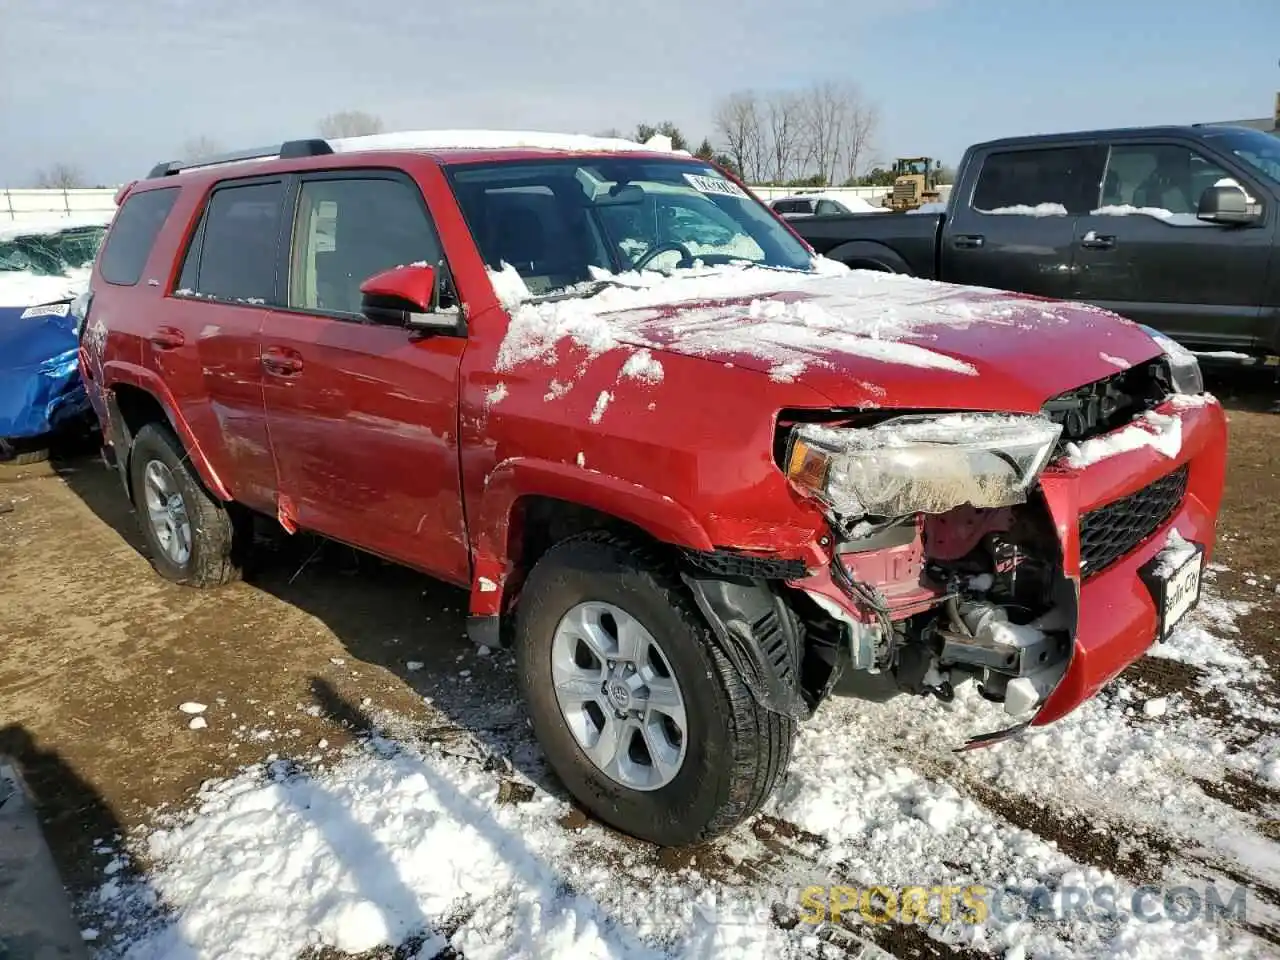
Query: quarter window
133,234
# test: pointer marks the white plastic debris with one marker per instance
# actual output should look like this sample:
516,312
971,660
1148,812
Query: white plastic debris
414,665
192,707
198,723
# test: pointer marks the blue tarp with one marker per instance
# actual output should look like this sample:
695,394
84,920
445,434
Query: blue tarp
40,385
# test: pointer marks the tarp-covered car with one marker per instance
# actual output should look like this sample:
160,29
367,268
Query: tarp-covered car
43,268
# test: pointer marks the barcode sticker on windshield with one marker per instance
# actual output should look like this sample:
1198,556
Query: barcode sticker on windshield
726,188
52,310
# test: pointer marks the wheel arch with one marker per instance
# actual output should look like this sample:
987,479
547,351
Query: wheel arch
870,255
135,397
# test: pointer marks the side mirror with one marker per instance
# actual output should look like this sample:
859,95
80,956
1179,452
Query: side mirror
1228,204
405,297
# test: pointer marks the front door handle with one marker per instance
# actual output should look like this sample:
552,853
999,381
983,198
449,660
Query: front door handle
968,241
167,338
282,361
1098,241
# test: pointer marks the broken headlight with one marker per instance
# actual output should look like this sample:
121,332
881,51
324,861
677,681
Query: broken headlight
922,464
1184,368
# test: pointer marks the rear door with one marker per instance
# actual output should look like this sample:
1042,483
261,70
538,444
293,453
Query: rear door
1142,252
363,416
1016,228
206,345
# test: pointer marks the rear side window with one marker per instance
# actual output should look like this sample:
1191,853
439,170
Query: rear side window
1061,180
793,206
234,254
133,233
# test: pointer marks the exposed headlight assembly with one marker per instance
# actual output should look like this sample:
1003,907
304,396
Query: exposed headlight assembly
922,463
1183,365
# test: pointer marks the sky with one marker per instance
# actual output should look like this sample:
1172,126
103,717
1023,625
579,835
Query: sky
114,86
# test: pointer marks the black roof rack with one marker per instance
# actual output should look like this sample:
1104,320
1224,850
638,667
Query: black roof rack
289,150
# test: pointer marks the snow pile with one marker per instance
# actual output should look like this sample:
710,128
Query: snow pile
1023,210
642,365
1161,432
496,140
787,320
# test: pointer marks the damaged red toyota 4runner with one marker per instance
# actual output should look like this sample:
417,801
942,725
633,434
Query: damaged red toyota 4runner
698,477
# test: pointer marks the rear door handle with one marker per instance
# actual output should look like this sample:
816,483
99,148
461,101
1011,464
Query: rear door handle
968,241
282,361
167,338
1098,241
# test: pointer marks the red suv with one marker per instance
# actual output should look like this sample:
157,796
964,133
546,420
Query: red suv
697,476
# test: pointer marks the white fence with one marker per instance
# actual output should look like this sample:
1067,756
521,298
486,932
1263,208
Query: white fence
870,194
17,206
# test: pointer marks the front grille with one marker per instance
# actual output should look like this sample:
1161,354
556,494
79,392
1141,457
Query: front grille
1109,403
1108,533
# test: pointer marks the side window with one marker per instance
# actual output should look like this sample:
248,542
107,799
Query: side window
828,208
348,230
133,233
1043,182
1161,180
233,255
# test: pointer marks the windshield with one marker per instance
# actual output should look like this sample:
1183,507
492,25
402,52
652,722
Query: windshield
560,223
1261,151
51,255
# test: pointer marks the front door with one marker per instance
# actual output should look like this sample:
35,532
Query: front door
1017,229
363,417
1143,253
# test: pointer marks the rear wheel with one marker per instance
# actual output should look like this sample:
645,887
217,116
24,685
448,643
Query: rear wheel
640,714
192,536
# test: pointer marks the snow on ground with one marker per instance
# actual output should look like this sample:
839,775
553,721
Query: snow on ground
397,840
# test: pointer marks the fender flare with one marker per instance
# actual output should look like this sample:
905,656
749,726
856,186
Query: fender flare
871,251
656,514
115,373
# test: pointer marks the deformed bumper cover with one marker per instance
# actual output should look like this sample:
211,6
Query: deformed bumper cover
40,385
1117,617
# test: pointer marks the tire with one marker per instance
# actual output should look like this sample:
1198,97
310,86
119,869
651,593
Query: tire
735,751
16,453
213,536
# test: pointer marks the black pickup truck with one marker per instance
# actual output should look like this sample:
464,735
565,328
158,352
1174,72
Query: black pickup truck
1174,227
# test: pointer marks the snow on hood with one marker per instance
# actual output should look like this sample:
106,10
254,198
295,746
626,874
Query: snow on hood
831,327
23,289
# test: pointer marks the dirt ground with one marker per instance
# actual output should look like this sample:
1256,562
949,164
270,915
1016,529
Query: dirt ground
97,652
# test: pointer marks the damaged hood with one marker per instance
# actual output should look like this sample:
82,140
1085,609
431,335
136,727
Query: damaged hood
864,339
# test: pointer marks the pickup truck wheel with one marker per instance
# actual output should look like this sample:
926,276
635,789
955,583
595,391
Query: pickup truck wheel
191,535
640,714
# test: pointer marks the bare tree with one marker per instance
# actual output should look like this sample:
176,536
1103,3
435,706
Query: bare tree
200,148
737,120
350,123
863,121
784,126
60,176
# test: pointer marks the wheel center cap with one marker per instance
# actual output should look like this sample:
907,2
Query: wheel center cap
620,695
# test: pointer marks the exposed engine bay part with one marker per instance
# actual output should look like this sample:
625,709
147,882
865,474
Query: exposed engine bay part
922,604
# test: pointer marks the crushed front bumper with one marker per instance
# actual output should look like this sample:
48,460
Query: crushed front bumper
1117,616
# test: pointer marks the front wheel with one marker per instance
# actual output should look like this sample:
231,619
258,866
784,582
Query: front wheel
640,714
